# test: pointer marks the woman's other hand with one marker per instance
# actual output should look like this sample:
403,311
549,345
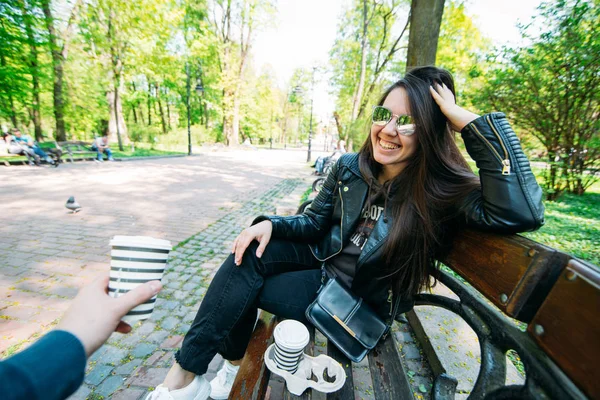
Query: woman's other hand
457,116
260,232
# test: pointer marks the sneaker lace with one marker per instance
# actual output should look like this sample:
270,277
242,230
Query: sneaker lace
160,393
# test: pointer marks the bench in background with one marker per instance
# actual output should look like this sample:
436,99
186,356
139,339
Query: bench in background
82,150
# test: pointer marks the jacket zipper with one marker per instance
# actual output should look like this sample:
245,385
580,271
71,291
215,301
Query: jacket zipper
341,229
506,162
389,299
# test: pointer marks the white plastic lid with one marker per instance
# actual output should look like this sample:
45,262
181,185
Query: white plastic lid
141,241
291,334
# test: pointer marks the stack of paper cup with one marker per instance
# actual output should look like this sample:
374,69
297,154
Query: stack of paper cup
136,260
291,337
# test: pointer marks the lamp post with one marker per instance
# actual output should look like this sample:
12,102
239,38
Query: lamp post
312,96
199,90
297,91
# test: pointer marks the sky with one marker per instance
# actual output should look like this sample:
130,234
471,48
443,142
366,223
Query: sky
304,32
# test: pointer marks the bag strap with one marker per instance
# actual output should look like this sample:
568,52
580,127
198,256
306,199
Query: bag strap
394,310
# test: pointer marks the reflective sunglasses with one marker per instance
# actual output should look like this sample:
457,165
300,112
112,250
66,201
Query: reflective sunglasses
382,116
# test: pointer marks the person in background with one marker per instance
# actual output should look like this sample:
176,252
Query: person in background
53,367
24,144
101,146
321,162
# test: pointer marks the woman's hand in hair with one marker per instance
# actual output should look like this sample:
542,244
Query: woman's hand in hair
260,232
457,116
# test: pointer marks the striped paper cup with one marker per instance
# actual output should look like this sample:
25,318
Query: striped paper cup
291,337
136,260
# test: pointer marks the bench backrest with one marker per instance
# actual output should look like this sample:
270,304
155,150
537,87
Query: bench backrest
557,295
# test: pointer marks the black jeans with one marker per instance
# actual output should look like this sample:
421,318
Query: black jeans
284,281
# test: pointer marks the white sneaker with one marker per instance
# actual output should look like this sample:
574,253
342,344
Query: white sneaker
223,382
199,389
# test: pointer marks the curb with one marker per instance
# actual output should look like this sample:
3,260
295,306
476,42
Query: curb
152,157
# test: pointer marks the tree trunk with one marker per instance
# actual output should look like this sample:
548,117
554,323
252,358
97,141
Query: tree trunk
59,55
112,127
363,64
168,114
425,21
235,120
205,115
134,105
34,71
338,124
149,104
160,110
57,66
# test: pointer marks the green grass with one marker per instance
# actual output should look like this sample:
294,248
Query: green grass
142,152
573,225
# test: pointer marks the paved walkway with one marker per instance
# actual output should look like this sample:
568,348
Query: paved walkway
46,254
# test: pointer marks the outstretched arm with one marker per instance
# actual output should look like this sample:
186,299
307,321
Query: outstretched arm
53,367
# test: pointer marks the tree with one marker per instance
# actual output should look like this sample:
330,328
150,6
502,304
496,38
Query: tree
243,17
29,20
14,84
425,21
364,51
549,90
59,45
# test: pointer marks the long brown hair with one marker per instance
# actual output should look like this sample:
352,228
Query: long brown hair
424,196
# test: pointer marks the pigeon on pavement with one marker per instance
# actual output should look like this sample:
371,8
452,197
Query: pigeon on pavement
73,205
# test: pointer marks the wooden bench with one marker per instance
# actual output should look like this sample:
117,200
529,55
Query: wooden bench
51,148
556,295
83,150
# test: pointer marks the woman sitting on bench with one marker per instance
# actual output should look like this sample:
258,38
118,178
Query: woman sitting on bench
382,219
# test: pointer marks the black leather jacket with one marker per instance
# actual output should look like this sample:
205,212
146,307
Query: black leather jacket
510,201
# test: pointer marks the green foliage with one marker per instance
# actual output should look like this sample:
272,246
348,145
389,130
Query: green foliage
461,50
545,88
384,58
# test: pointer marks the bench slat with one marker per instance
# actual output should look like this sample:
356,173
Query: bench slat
514,272
567,326
387,372
252,379
347,391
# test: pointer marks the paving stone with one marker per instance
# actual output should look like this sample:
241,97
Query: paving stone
411,352
169,322
148,377
146,328
127,368
180,294
170,304
109,385
157,336
132,339
403,336
143,349
129,394
98,374
113,355
158,314
154,357
172,342
189,286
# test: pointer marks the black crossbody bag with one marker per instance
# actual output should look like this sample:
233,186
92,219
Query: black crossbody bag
347,320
